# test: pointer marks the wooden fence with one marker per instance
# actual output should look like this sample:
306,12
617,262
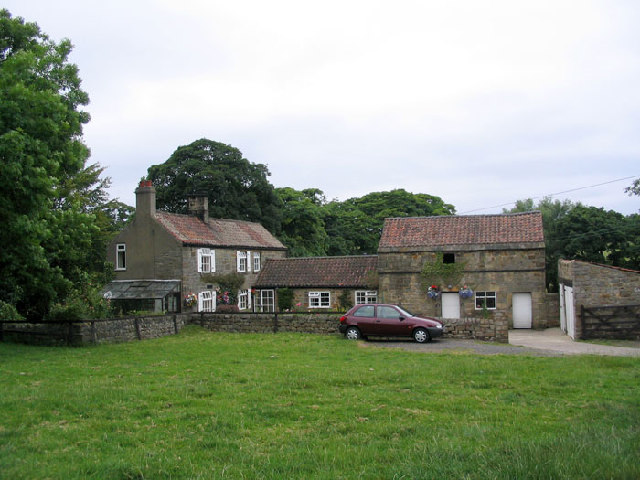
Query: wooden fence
611,321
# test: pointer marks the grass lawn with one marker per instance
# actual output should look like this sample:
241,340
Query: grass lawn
209,405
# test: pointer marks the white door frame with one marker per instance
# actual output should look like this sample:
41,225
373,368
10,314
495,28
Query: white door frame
450,307
521,306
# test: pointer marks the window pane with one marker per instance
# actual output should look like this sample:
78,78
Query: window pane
388,312
367,311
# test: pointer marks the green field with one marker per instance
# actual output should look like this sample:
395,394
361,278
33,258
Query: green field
210,405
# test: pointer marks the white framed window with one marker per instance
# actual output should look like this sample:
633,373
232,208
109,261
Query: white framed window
241,258
485,300
121,256
366,296
206,302
319,300
265,301
244,299
256,261
206,260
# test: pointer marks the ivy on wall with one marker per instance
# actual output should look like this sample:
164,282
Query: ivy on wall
437,272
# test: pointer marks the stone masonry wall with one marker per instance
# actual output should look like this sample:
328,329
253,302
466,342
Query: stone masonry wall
597,285
142,328
502,271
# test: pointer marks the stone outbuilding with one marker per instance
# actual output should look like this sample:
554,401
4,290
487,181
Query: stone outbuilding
170,262
466,266
599,301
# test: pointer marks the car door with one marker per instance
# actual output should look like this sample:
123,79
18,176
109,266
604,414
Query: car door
365,318
389,322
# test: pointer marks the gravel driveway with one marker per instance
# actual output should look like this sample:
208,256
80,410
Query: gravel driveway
551,342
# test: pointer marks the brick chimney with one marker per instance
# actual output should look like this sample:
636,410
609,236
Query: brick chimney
145,199
199,206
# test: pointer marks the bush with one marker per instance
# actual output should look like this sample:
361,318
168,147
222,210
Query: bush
9,313
83,303
224,308
285,299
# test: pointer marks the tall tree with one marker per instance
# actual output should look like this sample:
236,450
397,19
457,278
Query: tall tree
574,231
303,229
354,226
237,188
46,230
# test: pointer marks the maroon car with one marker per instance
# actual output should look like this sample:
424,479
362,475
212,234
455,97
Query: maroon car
386,320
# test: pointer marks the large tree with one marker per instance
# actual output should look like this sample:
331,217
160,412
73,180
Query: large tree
237,188
574,231
303,229
48,227
354,226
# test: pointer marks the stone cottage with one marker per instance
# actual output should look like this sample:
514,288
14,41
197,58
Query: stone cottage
170,262
319,283
500,259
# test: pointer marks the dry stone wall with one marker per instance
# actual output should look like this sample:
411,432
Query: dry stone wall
142,328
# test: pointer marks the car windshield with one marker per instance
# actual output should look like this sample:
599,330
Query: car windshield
404,311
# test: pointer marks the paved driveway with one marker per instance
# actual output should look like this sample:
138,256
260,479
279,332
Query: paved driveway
554,340
551,342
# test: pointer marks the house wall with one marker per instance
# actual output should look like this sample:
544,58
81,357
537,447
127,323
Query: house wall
504,271
226,262
301,296
597,285
151,253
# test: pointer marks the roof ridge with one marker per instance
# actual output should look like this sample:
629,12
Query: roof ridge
486,215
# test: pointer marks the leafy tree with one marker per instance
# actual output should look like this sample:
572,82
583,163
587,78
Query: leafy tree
236,188
302,229
634,188
354,226
42,159
573,231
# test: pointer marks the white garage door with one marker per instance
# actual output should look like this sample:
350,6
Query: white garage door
522,310
450,305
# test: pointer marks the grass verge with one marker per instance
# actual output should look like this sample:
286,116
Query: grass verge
206,405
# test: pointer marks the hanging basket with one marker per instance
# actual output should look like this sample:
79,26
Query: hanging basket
433,292
465,292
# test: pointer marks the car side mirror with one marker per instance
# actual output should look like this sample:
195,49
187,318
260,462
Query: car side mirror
401,318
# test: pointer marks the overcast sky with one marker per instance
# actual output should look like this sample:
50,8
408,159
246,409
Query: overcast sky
481,103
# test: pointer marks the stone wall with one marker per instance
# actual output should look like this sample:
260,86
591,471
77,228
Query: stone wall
142,328
94,332
324,324
596,285
505,272
485,329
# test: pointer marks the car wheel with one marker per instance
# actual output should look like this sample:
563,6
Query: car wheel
420,335
353,333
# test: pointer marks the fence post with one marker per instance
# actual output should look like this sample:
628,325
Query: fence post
275,322
137,325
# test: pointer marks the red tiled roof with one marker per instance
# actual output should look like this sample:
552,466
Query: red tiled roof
317,272
191,230
461,230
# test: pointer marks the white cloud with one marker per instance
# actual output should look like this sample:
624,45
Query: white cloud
481,103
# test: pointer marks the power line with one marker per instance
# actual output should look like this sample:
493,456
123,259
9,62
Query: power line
552,194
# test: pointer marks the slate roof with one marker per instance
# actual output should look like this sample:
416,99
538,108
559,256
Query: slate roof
327,272
191,230
461,230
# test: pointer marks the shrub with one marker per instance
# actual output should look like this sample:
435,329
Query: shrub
224,308
9,313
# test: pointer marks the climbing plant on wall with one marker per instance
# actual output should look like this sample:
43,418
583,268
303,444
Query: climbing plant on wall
439,273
